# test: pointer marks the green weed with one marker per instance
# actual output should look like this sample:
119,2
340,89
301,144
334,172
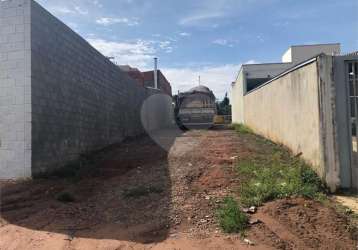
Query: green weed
241,128
231,218
273,179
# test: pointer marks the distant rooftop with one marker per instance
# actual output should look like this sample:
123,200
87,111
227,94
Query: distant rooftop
299,53
318,44
200,88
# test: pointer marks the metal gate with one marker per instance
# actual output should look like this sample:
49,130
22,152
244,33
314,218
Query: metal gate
352,67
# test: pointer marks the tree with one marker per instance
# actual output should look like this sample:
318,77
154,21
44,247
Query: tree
224,107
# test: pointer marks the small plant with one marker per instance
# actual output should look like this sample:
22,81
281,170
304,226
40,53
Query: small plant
277,179
141,191
65,197
231,218
241,128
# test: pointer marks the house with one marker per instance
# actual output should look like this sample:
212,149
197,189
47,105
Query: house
146,79
252,76
308,103
163,83
134,73
197,107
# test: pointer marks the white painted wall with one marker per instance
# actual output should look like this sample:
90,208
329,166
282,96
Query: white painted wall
15,89
237,101
287,57
239,89
287,111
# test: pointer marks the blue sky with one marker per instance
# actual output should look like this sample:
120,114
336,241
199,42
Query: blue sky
211,38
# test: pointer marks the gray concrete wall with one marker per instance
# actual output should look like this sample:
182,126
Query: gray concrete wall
300,53
59,97
265,70
328,123
348,175
15,89
80,100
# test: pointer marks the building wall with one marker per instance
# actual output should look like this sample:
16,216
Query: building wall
266,70
306,108
163,83
15,90
237,100
80,100
287,111
251,71
348,176
304,52
287,56
59,97
198,100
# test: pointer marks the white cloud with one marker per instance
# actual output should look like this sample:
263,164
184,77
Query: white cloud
64,10
222,42
217,78
106,21
208,12
185,34
200,17
80,11
225,42
97,3
61,10
166,46
252,61
138,54
260,38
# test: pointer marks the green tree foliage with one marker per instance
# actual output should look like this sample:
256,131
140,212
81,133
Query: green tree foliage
224,107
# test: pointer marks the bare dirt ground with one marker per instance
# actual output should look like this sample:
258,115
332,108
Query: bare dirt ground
146,198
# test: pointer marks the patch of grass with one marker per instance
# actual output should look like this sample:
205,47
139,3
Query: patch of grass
141,191
241,128
65,197
230,216
277,178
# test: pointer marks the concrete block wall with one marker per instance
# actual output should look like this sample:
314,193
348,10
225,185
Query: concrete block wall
15,89
63,98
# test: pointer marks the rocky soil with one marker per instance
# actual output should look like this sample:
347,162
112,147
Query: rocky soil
144,197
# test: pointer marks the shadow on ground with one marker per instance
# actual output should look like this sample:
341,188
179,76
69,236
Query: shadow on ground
129,198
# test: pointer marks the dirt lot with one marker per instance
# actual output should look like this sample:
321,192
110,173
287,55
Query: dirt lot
146,198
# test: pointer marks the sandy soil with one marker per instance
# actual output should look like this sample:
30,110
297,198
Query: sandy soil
187,184
348,200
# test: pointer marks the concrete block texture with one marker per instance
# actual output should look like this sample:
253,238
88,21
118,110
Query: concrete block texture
15,76
60,97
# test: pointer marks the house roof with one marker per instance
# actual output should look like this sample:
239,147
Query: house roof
199,89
